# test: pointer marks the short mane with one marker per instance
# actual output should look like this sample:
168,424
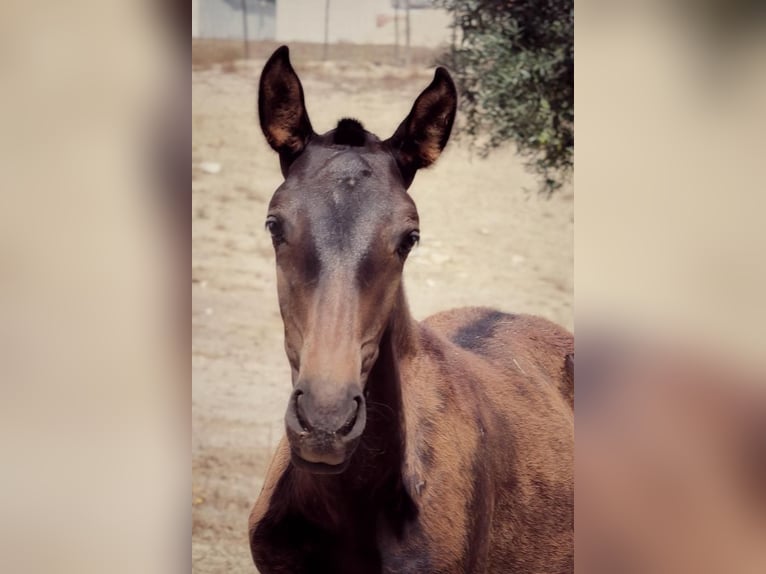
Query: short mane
349,132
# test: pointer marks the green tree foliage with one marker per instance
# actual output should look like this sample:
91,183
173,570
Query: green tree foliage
513,61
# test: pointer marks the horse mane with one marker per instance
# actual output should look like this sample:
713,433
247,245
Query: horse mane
349,132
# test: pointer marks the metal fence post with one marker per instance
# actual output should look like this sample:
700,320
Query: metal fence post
244,29
326,28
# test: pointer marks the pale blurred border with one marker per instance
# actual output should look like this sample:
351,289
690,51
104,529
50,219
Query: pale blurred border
669,287
670,191
94,260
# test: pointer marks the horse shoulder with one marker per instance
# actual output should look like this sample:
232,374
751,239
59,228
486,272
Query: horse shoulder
447,469
495,412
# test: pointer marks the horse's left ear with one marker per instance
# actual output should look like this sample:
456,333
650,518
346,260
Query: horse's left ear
421,137
282,110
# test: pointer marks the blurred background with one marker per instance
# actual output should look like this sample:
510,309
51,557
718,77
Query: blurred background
492,232
670,276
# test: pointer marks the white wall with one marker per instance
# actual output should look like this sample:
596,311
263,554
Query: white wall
195,18
223,19
358,22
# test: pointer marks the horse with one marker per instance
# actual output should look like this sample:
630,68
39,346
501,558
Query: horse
437,446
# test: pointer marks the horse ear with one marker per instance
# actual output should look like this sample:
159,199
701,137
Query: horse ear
281,109
421,137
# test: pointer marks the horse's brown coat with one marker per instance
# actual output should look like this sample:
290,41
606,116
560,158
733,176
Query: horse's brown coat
465,463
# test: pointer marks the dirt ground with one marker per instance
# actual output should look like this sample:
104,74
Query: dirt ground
487,238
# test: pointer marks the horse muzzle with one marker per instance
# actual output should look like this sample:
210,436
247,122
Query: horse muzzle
323,434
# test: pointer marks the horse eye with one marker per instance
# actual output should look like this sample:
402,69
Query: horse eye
275,228
408,242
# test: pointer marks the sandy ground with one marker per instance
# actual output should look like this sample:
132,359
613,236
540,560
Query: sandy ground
487,239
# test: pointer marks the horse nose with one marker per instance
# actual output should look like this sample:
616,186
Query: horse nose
352,417
308,413
300,414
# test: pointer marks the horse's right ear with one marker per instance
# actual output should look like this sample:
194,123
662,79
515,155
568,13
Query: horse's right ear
281,109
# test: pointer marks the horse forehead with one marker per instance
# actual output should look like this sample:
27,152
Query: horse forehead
343,198
347,217
350,161
326,162
346,185
345,214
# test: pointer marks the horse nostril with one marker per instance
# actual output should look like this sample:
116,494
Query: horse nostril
299,412
351,421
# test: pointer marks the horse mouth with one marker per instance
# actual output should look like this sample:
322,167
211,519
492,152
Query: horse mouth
320,452
318,467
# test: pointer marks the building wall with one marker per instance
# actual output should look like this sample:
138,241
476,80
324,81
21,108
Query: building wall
223,19
195,18
358,22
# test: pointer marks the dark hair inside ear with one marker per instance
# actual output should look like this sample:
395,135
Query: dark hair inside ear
349,132
281,108
421,137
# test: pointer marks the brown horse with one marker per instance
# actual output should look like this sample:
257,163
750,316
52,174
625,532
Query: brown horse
442,446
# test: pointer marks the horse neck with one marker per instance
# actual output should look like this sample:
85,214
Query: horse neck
381,450
384,437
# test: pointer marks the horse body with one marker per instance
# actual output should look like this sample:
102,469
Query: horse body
442,446
478,477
